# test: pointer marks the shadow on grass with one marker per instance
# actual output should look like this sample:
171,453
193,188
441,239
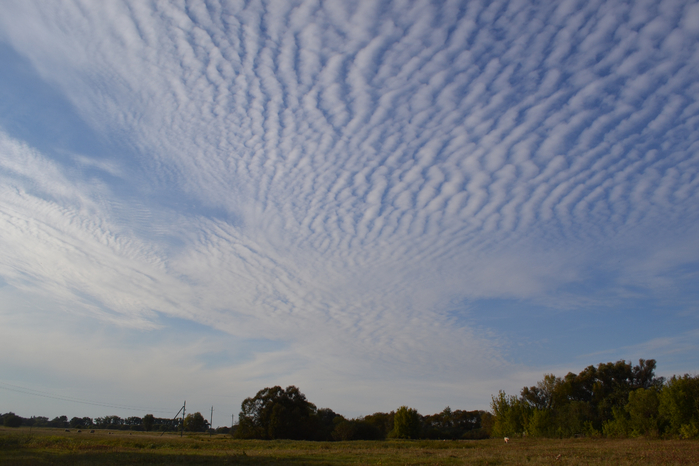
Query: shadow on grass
22,457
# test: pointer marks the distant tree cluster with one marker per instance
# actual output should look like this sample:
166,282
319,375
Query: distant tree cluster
12,420
612,399
277,413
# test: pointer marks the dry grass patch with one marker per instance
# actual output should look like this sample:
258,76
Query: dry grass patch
50,446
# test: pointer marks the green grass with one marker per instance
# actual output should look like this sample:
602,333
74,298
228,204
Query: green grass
56,447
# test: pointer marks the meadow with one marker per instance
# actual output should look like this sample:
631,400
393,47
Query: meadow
50,446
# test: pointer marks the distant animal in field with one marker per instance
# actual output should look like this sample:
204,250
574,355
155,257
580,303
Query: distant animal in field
92,431
67,430
507,440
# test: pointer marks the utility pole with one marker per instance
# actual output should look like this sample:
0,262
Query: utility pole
211,422
183,409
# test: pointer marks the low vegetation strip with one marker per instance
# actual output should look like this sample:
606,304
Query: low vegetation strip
57,447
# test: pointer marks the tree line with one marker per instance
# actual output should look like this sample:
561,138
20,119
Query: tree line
277,413
614,399
611,399
194,422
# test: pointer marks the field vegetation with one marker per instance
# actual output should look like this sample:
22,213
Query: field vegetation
44,446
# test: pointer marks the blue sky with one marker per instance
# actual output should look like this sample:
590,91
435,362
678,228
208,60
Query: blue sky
383,203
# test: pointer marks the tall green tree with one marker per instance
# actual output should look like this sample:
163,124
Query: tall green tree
276,413
511,415
406,423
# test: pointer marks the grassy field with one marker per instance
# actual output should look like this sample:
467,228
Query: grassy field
55,446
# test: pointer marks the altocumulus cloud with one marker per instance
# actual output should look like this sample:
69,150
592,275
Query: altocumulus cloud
371,200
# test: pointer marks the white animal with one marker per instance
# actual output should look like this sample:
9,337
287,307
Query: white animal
507,439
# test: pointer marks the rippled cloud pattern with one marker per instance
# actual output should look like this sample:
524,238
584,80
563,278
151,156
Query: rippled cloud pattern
433,199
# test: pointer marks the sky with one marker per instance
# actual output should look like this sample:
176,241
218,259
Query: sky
383,203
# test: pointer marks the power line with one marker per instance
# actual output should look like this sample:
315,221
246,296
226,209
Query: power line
30,391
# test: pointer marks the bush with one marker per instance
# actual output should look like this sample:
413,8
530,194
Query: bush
688,431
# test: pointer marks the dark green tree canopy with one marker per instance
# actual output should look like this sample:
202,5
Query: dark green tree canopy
276,413
11,420
76,423
382,421
195,423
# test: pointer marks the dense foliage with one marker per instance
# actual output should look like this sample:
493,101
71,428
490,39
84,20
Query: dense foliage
275,413
612,399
